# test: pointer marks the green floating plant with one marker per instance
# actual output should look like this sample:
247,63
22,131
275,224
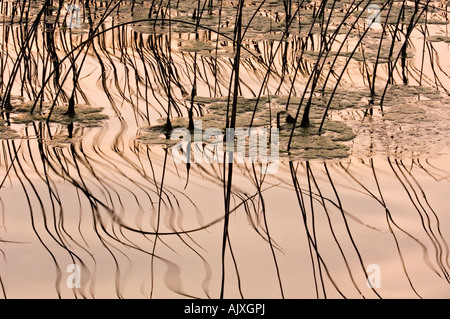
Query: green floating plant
270,113
84,114
7,133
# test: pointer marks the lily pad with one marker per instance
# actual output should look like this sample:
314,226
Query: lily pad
85,114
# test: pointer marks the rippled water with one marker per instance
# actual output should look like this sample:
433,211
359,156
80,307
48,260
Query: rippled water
103,195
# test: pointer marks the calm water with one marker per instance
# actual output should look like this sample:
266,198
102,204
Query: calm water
107,196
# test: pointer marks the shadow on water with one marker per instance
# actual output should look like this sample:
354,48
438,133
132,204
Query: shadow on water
360,102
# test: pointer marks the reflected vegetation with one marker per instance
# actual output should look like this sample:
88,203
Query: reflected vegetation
361,103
